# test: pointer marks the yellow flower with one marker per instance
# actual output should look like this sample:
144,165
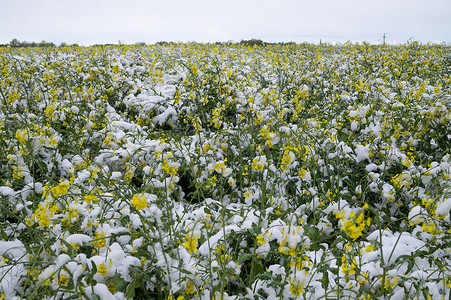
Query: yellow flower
259,162
391,280
63,280
169,167
191,243
354,227
139,202
100,240
297,286
111,287
262,239
90,198
189,288
287,158
221,168
406,162
43,214
61,189
21,135
256,165
47,282
53,142
101,269
428,227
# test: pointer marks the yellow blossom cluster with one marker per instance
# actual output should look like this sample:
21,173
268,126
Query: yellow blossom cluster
187,170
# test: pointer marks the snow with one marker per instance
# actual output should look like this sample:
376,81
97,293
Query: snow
395,245
74,109
251,213
168,116
121,263
417,214
211,243
443,207
14,248
362,152
6,191
101,291
10,275
78,239
371,167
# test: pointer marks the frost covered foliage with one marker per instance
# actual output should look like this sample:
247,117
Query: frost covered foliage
193,171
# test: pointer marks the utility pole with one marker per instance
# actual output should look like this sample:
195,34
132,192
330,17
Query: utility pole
384,39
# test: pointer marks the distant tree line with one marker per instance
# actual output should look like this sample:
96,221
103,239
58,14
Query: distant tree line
17,43
251,43
257,42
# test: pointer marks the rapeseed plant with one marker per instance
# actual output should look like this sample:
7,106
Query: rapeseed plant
197,171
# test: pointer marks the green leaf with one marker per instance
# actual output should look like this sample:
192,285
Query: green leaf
184,271
264,276
119,282
132,287
245,257
325,280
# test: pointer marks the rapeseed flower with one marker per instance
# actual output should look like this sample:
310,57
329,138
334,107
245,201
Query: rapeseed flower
139,202
191,242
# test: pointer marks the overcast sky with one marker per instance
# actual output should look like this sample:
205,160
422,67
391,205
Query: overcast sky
89,22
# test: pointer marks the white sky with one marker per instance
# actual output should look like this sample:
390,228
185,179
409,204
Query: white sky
89,22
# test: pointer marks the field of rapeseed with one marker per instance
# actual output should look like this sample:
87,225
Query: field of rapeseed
194,171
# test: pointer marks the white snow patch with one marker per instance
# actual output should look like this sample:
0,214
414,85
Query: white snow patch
395,245
362,152
443,207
